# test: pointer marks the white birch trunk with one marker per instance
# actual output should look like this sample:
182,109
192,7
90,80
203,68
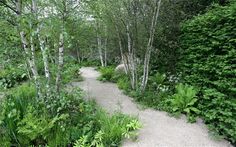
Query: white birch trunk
99,44
30,57
150,45
29,54
99,40
60,62
131,62
44,49
105,52
105,47
123,60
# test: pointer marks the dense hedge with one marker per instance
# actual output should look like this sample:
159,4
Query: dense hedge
209,62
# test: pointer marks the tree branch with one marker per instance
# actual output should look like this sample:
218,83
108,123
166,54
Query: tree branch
8,6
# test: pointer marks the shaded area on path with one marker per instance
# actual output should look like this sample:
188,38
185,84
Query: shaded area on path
159,129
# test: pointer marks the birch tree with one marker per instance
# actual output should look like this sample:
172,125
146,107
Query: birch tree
99,43
105,46
44,50
30,53
150,44
61,46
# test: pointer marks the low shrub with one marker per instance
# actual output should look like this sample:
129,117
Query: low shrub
90,63
107,73
112,130
124,83
184,101
12,76
160,87
59,121
71,72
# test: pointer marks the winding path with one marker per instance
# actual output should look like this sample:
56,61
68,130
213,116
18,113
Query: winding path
159,129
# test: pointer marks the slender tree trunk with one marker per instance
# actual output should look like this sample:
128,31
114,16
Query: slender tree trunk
100,50
60,62
121,50
61,49
99,44
29,53
150,45
30,57
105,52
131,60
44,50
105,47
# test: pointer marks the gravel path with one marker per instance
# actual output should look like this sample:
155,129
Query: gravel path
159,129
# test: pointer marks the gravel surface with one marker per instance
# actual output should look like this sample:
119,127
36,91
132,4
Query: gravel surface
159,129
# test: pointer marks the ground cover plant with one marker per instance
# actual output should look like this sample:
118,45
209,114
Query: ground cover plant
68,120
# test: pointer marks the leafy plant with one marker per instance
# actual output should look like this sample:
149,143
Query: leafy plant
184,100
72,72
157,79
82,142
130,129
107,74
115,127
12,76
26,121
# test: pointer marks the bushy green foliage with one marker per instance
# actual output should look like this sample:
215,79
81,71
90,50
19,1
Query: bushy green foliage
107,74
208,62
90,63
71,72
12,76
59,121
124,83
112,130
184,101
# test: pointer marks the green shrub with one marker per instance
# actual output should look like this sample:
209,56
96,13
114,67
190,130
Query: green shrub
90,63
184,101
12,76
157,79
208,62
112,130
71,72
13,110
124,83
159,88
107,73
59,121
